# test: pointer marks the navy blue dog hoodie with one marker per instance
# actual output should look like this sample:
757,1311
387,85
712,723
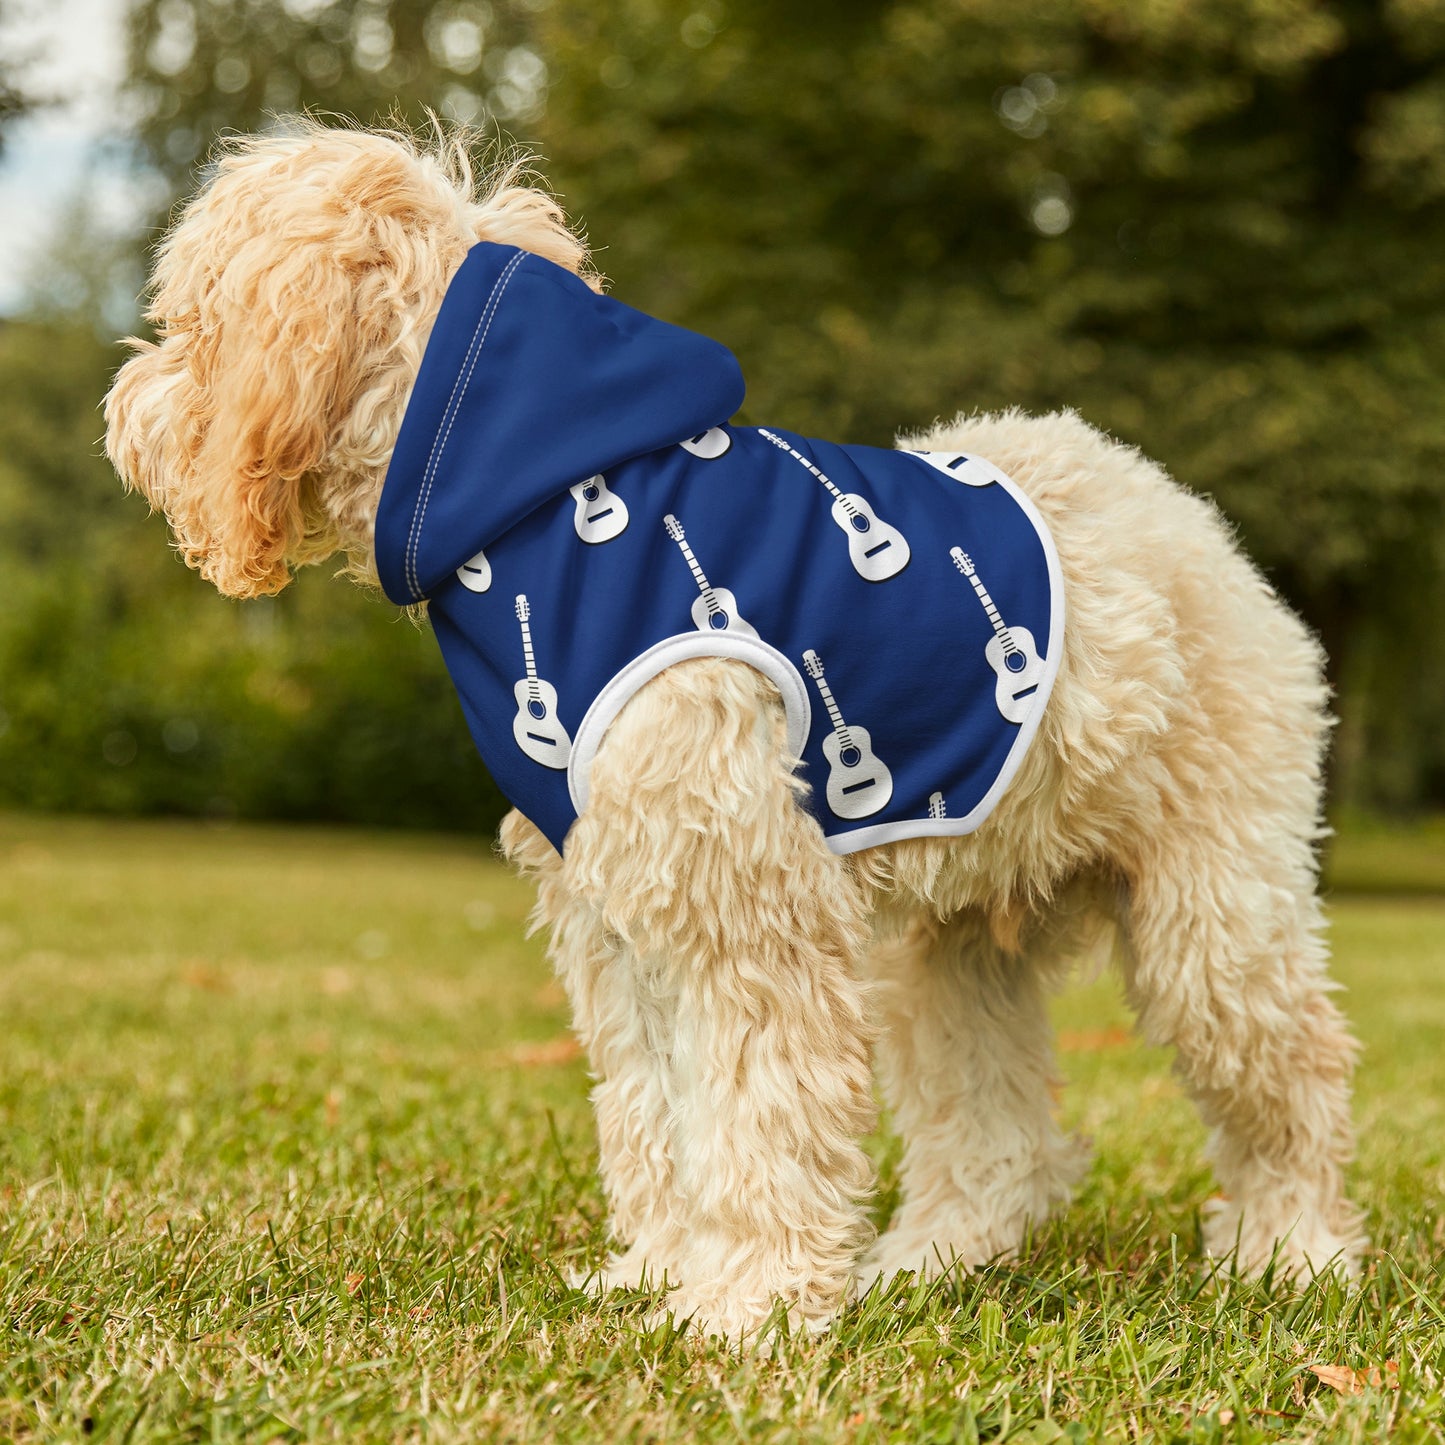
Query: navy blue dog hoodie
569,497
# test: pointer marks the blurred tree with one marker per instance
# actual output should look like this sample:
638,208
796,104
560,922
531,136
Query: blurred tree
1216,227
201,67
127,685
14,99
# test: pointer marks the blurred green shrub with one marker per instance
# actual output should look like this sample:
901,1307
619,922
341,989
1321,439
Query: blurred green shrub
128,686
303,707
1216,229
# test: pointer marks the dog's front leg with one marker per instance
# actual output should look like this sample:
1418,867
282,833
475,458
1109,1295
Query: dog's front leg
622,1011
743,930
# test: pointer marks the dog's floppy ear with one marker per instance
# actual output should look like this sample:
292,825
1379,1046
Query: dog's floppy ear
292,302
279,358
221,423
287,302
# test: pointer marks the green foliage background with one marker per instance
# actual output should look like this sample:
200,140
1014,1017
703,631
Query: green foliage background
1214,227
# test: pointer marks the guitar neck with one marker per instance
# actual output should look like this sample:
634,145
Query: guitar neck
836,717
527,653
699,576
797,456
1000,629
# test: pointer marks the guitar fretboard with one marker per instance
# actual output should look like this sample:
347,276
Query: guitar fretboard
840,728
531,661
827,481
698,575
1000,627
674,529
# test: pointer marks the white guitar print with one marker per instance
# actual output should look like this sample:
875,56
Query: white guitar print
601,514
859,784
1011,652
535,727
937,808
709,445
972,471
475,574
717,609
876,550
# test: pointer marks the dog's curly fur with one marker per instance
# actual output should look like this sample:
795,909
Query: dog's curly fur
729,976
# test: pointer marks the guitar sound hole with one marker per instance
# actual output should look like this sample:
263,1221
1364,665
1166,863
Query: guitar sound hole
850,757
860,524
590,492
1017,662
718,621
536,709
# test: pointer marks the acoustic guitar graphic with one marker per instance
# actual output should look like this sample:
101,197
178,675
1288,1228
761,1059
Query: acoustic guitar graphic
601,514
1011,652
876,550
709,445
859,784
535,727
717,609
475,574
937,808
971,470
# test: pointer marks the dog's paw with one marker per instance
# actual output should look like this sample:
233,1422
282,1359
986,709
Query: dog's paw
632,1270
740,1323
935,1247
901,1252
1299,1245
964,1228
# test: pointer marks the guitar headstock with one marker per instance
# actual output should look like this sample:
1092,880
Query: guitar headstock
523,610
962,561
674,527
814,666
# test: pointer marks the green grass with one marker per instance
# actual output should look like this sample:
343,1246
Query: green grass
1369,855
289,1150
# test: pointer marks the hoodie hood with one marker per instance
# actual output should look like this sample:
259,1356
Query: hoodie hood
531,382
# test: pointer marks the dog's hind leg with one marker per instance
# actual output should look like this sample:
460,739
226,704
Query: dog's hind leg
966,1062
1228,966
694,853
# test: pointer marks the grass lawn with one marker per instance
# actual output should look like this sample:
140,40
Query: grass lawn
293,1145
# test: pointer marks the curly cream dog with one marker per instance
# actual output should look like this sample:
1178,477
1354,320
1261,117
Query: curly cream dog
730,977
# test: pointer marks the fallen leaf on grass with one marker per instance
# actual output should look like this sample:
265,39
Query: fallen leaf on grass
354,1283
1346,1381
561,1050
197,973
1091,1041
